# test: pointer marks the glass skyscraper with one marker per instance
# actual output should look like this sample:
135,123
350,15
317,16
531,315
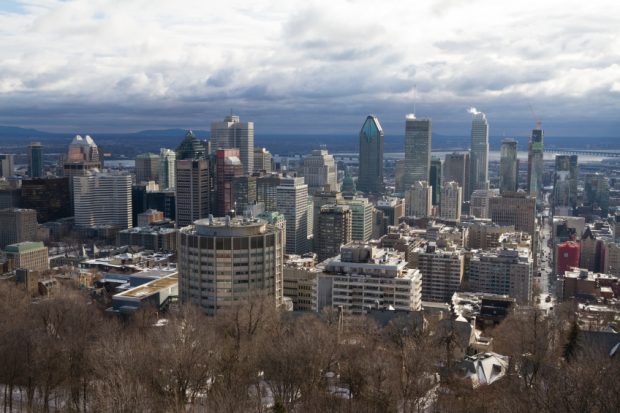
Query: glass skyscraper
479,162
35,160
371,156
417,150
508,166
535,163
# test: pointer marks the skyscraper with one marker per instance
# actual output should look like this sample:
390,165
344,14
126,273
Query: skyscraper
418,136
83,155
596,191
193,189
102,199
167,168
479,163
334,230
147,167
418,200
231,133
35,160
535,163
371,157
228,166
262,160
361,218
7,164
451,200
508,166
319,171
292,200
17,225
435,179
456,168
565,184
191,148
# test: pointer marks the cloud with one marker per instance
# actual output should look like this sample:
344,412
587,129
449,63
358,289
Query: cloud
324,64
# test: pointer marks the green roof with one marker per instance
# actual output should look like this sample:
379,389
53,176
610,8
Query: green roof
24,246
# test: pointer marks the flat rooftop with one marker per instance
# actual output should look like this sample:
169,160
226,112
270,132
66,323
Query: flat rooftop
150,288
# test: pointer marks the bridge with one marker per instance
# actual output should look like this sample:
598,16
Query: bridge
599,153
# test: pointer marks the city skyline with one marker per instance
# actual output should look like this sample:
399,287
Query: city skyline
312,67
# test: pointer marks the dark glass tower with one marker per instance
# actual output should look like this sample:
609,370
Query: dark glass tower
434,179
508,166
191,148
535,163
371,157
35,160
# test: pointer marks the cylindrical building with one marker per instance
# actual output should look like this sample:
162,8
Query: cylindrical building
224,261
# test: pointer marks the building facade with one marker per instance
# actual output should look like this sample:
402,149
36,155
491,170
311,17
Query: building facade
319,171
147,167
535,165
371,157
28,255
292,201
517,209
17,225
418,200
456,168
102,199
167,168
232,133
418,138
508,167
334,230
35,160
503,271
479,162
442,271
193,190
451,201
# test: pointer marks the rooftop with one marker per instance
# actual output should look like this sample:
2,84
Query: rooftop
24,247
150,288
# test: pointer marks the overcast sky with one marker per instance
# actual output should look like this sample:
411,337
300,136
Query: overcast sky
311,66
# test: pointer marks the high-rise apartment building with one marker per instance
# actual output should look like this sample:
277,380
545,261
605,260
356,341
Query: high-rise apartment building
442,271
535,167
418,200
371,157
418,137
451,201
361,218
226,261
228,166
292,201
167,168
147,167
364,277
516,208
7,164
28,255
35,160
479,162
334,230
483,234
565,184
435,180
508,167
232,133
102,199
319,171
456,168
17,225
193,190
502,271
319,200
479,202
262,160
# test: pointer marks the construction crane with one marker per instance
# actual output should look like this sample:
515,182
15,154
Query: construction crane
536,118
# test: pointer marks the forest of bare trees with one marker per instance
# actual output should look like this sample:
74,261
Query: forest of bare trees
64,354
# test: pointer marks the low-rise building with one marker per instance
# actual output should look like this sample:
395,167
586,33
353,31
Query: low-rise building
28,255
150,238
301,282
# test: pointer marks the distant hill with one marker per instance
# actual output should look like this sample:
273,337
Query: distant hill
15,131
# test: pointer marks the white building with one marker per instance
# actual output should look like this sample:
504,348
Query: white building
364,277
224,261
451,200
167,168
231,133
292,201
479,162
319,171
419,200
102,199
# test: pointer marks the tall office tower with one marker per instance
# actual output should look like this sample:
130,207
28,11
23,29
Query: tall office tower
102,199
266,191
535,163
565,184
364,277
370,178
435,180
319,171
418,200
292,201
335,230
191,148
479,202
167,168
399,175
50,197
228,166
502,271
456,168
35,160
244,192
442,271
361,216
479,162
147,167
28,255
451,200
17,225
193,189
508,167
231,133
7,164
596,192
83,155
392,210
516,209
319,200
223,262
262,160
418,136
